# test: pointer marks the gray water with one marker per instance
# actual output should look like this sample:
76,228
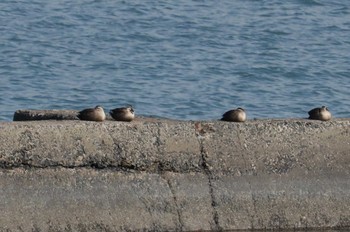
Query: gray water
176,59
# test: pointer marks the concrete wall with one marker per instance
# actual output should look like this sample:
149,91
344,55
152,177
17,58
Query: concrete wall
174,175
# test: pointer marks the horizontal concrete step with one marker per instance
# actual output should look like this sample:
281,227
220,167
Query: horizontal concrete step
157,175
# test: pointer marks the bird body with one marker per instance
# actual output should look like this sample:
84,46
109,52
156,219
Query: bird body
236,115
92,114
320,113
126,114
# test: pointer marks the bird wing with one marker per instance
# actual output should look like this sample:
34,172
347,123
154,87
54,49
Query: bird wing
313,111
228,113
118,110
85,112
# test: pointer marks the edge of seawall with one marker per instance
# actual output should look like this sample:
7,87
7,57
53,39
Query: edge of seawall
160,175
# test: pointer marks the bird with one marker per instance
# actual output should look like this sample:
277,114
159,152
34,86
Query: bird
236,115
92,114
320,113
126,114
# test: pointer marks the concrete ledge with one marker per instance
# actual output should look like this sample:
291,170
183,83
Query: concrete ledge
174,175
29,115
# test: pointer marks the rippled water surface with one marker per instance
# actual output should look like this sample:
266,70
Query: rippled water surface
176,59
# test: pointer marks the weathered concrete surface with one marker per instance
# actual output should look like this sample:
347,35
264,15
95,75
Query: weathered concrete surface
29,115
174,175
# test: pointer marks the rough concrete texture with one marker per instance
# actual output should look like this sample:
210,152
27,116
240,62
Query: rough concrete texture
29,115
174,175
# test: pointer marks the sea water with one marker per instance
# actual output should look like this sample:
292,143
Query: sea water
187,60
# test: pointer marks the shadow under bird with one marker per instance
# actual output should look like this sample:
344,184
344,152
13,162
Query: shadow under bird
126,114
96,114
320,113
236,115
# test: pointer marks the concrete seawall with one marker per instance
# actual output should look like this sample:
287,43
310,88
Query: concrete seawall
174,175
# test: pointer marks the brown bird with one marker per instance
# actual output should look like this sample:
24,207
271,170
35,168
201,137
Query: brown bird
236,115
320,113
126,114
92,114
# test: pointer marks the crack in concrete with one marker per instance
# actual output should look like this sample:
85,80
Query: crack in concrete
91,165
116,147
158,140
254,202
210,176
172,190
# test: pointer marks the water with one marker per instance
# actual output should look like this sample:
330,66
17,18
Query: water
176,59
